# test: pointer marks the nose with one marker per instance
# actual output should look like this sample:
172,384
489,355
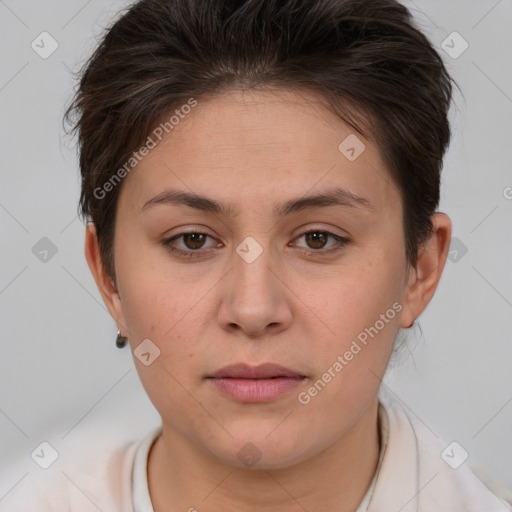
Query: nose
255,297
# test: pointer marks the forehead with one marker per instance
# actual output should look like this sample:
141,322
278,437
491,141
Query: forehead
245,147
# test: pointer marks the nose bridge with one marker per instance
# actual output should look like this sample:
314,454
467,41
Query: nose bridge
254,300
253,276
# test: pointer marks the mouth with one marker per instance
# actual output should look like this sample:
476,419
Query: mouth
263,383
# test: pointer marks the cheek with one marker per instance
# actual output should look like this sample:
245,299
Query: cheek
356,295
152,298
158,308
160,304
357,311
359,315
160,311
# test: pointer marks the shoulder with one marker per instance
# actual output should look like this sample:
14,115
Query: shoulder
420,472
94,476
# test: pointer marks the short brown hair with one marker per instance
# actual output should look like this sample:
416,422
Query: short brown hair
376,71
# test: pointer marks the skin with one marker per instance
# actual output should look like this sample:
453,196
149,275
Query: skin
254,150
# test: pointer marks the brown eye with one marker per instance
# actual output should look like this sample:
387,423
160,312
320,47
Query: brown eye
316,239
317,242
189,245
194,240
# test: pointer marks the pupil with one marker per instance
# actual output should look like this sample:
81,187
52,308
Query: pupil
318,238
197,240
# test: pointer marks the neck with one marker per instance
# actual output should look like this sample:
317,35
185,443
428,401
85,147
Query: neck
182,476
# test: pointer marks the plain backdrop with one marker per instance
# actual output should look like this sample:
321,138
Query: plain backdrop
62,378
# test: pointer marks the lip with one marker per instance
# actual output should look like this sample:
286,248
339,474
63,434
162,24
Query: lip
262,383
262,371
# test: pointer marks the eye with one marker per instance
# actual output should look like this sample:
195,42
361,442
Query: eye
317,240
193,241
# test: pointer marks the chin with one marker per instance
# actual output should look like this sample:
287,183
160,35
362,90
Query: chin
255,450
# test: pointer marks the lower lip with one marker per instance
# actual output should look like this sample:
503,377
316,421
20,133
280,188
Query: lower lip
255,390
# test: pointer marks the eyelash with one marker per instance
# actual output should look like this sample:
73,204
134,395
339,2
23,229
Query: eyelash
341,242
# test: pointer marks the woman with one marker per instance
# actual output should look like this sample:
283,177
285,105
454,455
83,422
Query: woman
261,180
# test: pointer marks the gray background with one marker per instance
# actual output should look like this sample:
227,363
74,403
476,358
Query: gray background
62,379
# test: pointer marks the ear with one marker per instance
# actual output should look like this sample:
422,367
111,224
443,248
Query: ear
424,279
104,282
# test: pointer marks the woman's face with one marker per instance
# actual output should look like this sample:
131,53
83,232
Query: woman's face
268,281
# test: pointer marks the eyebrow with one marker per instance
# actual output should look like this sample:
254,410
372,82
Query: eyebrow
333,197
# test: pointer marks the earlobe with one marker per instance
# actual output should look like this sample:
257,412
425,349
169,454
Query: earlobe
104,282
425,278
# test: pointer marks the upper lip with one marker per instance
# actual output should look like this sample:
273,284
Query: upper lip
262,371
